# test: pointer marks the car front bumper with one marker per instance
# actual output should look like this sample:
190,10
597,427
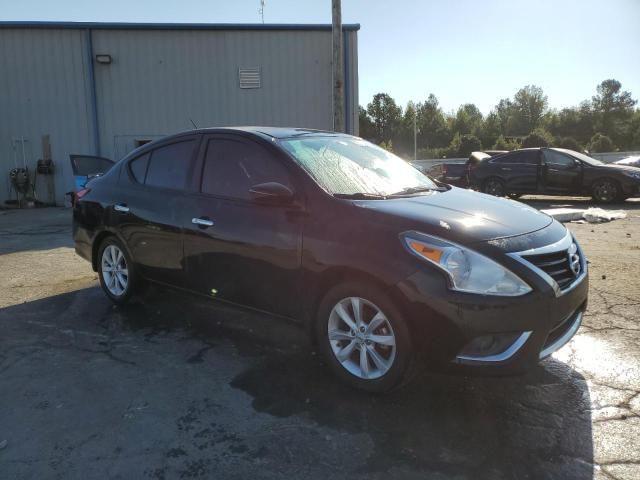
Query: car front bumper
517,332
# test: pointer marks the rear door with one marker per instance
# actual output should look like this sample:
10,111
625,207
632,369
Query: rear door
149,204
561,173
245,252
519,170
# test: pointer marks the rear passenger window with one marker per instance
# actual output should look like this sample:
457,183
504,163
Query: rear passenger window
138,167
169,164
529,157
232,167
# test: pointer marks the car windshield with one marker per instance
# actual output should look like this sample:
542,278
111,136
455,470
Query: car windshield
352,166
580,156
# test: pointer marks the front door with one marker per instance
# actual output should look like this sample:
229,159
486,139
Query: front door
240,250
562,173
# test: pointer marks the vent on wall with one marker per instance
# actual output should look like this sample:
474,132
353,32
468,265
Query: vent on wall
249,77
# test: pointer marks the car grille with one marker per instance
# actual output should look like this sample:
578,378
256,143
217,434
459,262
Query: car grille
556,265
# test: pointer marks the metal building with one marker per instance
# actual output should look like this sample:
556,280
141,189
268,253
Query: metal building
105,88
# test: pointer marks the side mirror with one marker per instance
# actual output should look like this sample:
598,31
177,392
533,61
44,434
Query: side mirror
271,193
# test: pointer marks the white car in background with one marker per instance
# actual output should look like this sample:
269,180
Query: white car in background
633,161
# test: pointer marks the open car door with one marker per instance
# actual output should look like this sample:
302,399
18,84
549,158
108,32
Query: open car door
85,167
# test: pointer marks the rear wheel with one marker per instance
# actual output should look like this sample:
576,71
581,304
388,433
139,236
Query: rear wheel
364,338
116,271
606,190
495,187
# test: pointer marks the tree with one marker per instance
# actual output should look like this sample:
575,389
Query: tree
490,131
432,126
529,105
601,143
385,115
504,144
505,111
468,119
576,122
538,138
366,125
469,143
569,143
613,109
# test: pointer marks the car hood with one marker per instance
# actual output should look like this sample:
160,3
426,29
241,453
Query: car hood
460,215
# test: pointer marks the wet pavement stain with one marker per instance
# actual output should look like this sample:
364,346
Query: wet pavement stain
523,427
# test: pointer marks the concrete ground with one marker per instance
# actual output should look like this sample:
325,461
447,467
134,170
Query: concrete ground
175,387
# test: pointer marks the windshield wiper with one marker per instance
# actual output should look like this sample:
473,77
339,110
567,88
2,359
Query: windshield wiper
360,196
411,190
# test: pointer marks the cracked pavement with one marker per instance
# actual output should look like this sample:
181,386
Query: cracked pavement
177,387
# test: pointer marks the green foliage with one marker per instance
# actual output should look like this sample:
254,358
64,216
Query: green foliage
503,144
366,125
529,105
388,146
538,138
469,143
614,112
601,143
611,113
385,115
569,143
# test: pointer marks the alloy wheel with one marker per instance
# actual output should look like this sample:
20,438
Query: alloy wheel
495,188
605,191
114,270
361,338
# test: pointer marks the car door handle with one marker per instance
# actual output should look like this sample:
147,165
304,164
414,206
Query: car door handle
121,207
505,169
202,222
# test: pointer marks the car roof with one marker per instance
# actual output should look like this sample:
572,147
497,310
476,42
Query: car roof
266,131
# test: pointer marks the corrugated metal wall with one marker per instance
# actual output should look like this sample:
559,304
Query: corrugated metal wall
43,90
158,81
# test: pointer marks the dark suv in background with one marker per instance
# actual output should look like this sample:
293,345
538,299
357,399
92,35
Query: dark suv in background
555,171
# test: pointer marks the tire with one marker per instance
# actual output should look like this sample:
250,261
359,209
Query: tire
606,190
118,284
387,361
494,186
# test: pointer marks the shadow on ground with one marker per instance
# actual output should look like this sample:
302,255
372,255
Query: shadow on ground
532,426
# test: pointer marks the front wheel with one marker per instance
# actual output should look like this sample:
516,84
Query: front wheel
116,271
606,190
364,338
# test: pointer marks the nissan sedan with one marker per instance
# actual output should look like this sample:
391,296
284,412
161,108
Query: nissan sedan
380,264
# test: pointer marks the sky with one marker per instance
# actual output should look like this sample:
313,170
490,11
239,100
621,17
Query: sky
463,51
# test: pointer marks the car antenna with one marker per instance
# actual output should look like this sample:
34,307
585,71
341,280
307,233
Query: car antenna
193,123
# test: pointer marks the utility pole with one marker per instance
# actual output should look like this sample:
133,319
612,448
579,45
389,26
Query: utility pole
415,132
261,10
338,66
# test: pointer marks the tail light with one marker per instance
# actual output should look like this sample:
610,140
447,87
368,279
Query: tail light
79,194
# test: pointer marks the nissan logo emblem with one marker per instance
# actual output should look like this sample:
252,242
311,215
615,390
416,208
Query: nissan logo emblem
574,259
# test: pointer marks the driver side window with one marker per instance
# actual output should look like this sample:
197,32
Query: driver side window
559,160
232,167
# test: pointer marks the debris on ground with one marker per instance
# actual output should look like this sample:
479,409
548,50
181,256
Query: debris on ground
581,215
3,444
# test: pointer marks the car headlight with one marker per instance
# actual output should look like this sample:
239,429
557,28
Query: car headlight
635,175
468,271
